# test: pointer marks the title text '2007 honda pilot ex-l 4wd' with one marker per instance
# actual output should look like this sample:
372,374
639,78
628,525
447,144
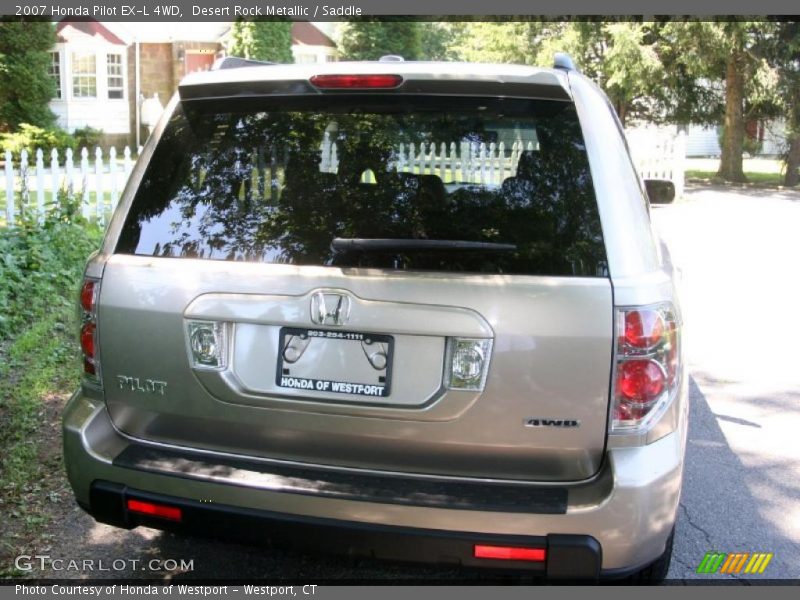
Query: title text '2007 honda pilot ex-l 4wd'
414,310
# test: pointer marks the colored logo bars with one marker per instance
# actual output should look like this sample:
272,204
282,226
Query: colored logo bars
737,562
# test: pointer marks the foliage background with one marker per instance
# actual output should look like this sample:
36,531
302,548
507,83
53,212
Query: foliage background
270,41
25,86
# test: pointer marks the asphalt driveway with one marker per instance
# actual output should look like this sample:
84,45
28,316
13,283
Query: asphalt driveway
738,254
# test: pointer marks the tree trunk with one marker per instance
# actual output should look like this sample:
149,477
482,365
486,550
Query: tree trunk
622,111
730,166
792,176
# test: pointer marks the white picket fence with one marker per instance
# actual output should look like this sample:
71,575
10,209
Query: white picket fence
469,162
99,178
659,154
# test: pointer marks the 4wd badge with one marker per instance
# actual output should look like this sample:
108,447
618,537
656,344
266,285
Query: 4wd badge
542,422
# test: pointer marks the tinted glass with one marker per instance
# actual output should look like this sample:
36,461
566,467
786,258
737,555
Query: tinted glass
417,183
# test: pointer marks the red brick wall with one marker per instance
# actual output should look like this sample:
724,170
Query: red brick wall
161,68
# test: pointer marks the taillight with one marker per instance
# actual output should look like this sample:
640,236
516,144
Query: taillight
647,366
643,328
353,82
87,295
88,333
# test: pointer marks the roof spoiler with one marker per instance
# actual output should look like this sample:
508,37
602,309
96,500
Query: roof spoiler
237,62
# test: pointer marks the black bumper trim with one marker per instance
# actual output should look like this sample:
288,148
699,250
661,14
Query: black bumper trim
569,557
364,487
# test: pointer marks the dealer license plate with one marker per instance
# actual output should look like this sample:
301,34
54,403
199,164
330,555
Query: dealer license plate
335,362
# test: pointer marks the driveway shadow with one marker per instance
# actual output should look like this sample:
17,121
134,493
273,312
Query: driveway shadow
718,512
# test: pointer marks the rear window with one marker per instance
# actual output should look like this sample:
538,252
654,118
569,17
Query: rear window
454,184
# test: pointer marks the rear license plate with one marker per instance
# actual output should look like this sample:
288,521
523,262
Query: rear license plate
339,362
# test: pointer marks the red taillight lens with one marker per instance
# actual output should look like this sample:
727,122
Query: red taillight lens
155,510
640,381
629,413
351,82
647,365
87,296
88,332
89,367
510,553
643,328
87,339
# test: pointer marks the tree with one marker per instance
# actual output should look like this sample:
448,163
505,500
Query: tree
736,44
494,41
784,55
619,56
25,85
435,38
262,40
369,40
728,59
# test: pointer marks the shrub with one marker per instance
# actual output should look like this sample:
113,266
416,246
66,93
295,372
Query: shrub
750,145
41,265
30,138
88,137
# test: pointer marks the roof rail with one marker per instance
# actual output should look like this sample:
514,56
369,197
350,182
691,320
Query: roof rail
237,62
563,61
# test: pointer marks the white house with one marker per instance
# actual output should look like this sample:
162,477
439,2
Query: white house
107,72
89,66
311,45
704,141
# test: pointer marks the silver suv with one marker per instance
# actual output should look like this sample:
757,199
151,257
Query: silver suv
414,310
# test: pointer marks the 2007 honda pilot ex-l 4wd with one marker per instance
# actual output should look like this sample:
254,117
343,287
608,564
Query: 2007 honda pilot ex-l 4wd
415,310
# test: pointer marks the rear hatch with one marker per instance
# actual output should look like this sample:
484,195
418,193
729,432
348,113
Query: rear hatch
392,281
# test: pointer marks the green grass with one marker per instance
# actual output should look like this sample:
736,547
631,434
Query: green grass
759,171
40,274
39,363
42,360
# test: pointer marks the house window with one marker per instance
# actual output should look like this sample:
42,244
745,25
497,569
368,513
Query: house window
115,79
84,75
306,58
54,70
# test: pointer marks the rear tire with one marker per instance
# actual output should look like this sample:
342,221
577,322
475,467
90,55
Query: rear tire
656,572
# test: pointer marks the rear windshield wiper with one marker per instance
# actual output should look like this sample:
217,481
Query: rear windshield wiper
377,244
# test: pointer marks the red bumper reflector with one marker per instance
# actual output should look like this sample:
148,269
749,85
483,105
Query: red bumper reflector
155,510
353,82
510,553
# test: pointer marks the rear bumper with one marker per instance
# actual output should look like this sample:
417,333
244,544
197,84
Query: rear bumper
615,523
570,556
